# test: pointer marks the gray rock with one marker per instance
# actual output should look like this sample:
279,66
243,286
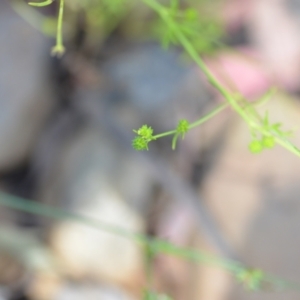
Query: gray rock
157,84
75,292
86,178
25,97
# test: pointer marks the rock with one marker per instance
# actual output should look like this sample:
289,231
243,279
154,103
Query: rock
26,264
3,295
99,254
280,49
92,176
86,170
254,198
83,292
157,85
148,75
25,93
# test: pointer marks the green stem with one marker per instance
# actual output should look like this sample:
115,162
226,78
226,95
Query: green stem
164,134
157,245
59,48
59,38
209,115
196,123
40,4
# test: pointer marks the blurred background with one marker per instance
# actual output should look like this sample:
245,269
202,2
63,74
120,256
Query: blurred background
66,130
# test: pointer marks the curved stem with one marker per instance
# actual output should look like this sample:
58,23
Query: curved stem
40,4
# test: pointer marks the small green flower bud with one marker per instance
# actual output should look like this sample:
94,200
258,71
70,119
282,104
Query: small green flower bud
268,142
182,127
145,131
139,143
255,146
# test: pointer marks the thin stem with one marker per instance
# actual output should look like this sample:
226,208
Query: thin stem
40,4
59,48
157,245
196,123
164,134
209,115
60,23
202,120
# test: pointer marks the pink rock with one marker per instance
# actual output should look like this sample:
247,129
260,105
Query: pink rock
241,72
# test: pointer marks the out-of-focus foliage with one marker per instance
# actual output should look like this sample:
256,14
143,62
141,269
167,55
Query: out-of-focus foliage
197,19
202,28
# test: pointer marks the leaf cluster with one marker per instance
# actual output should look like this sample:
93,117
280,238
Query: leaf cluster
202,30
263,141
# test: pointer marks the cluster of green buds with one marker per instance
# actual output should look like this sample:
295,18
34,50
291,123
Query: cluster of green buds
145,135
258,145
201,29
181,129
267,139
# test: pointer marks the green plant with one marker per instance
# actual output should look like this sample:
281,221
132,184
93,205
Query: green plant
258,125
145,133
181,26
58,49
